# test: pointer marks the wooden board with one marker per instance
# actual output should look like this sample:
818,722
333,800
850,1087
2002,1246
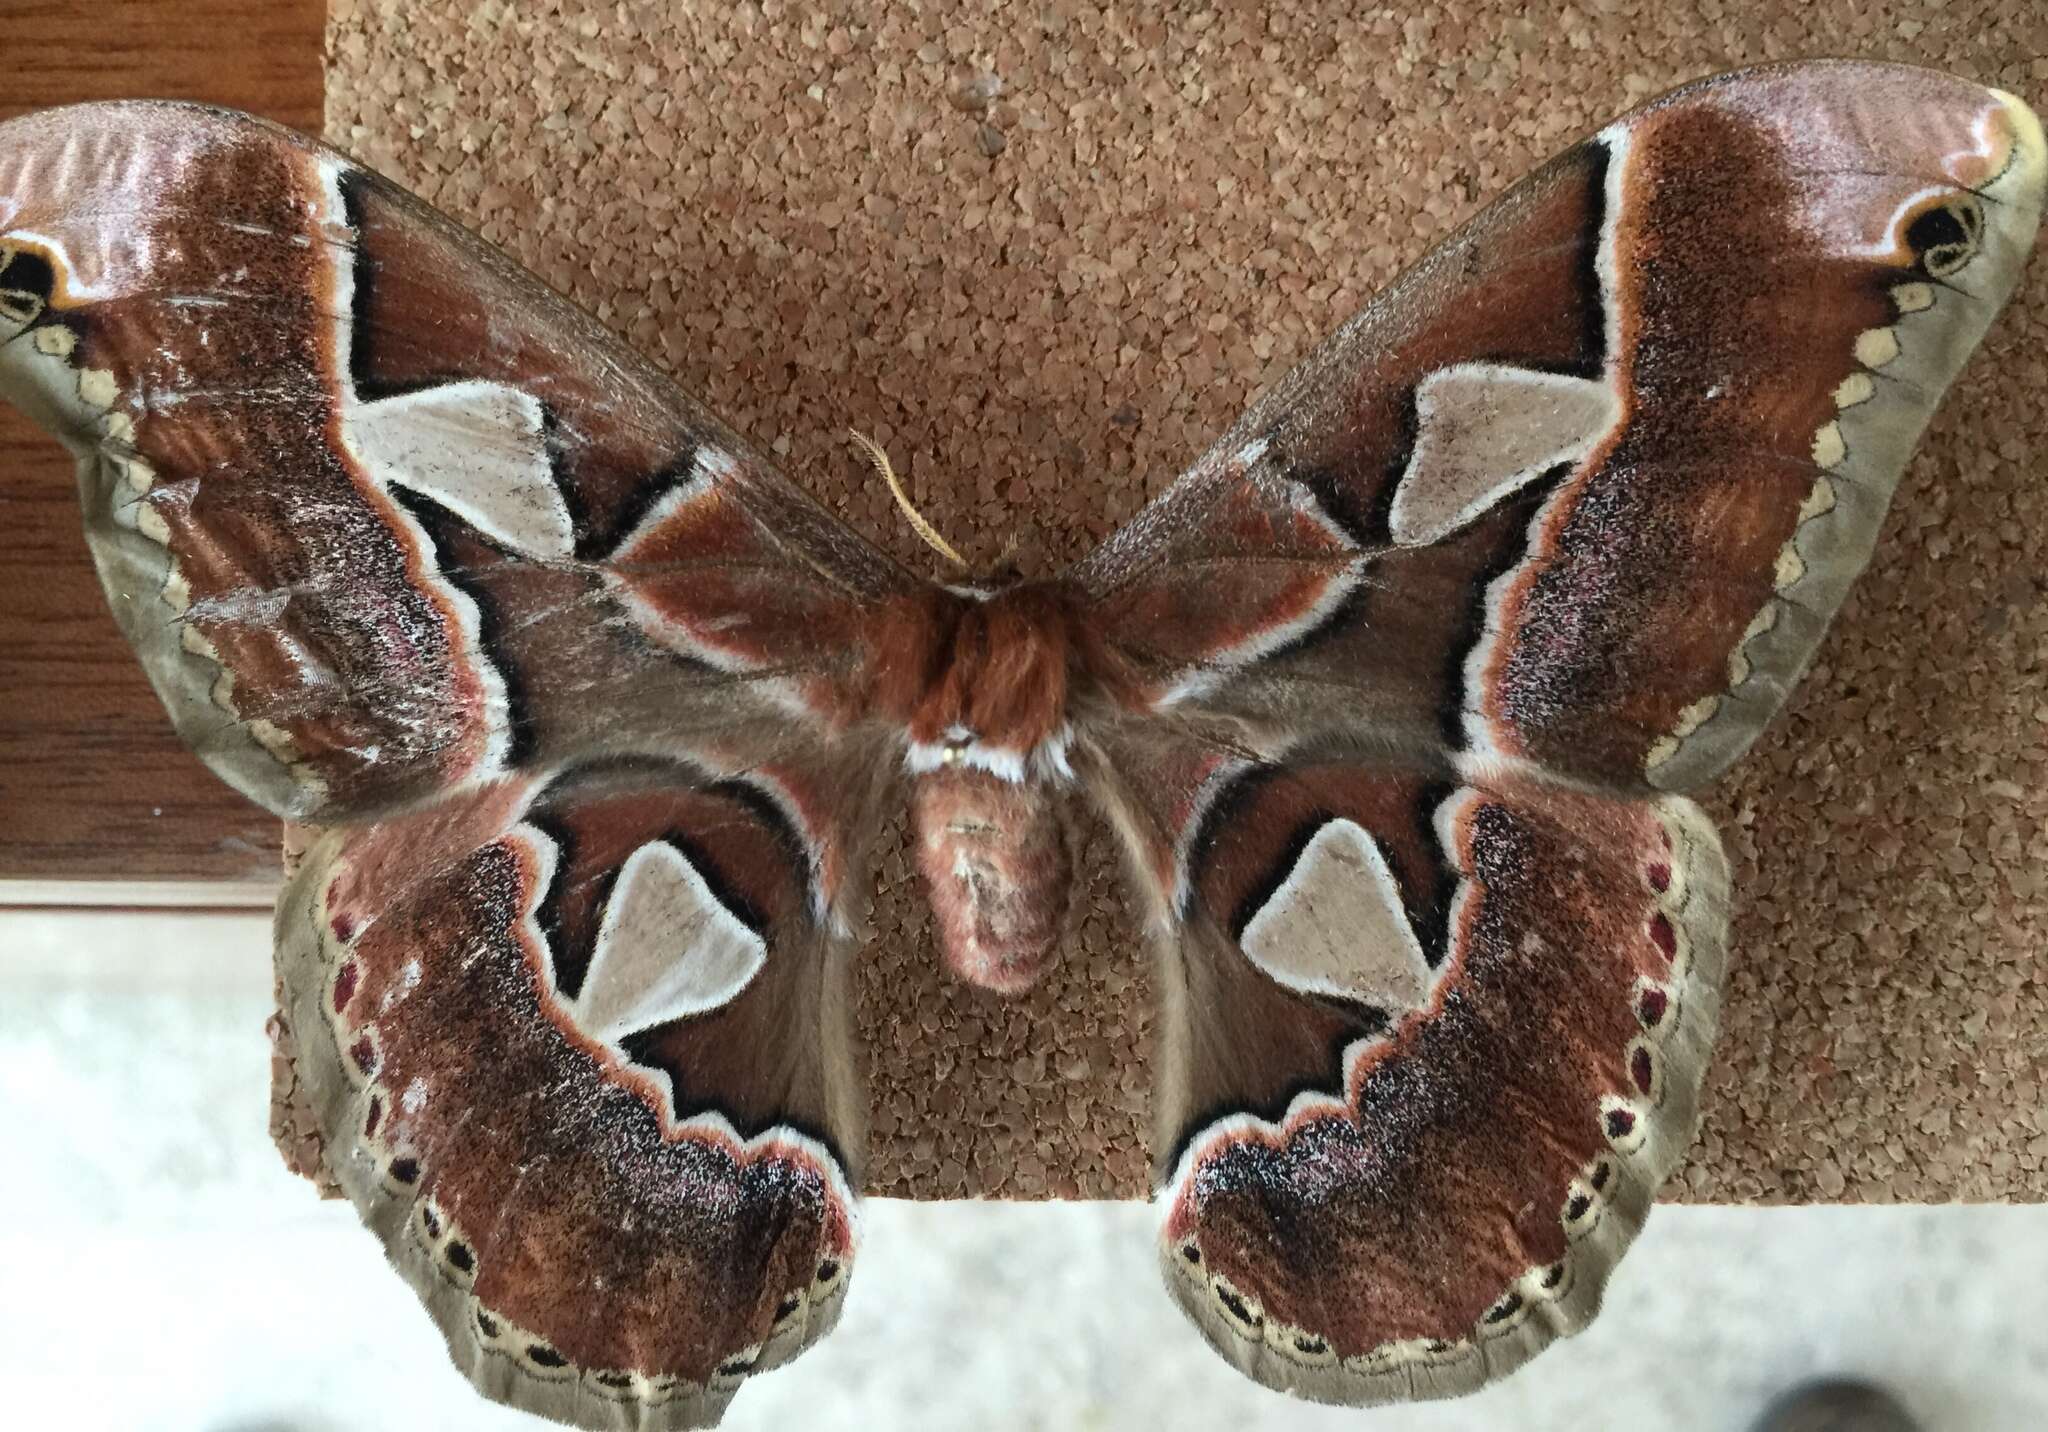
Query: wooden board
93,786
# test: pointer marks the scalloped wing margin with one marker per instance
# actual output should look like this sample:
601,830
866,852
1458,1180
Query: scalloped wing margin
1435,1041
577,1054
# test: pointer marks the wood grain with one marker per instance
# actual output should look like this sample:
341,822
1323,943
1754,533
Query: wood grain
93,785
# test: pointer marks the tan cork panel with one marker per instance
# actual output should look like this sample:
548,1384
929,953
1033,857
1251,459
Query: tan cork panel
1045,252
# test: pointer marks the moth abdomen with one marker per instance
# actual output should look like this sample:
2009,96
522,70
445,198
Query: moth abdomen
996,863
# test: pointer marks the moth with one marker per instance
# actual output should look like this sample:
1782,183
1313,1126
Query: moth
1394,698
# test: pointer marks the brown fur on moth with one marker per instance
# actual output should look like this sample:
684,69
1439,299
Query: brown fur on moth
998,669
981,683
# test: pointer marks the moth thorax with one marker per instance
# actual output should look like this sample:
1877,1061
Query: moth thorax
995,860
979,679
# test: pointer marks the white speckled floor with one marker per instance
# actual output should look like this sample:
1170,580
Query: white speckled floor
159,1270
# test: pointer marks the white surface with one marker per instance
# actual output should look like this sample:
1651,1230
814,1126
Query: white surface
160,1270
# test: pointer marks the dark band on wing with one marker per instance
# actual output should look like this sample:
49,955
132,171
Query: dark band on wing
370,375
27,283
1593,298
464,557
1509,553
598,538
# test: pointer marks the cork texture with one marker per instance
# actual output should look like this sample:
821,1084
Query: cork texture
1044,252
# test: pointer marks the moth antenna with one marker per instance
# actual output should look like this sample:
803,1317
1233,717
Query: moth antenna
918,524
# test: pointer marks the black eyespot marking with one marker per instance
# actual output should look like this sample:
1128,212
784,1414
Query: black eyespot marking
1235,1306
459,1256
1945,237
1313,1346
405,1170
1603,1170
614,1379
19,308
786,1309
1642,1068
827,1271
26,283
1934,228
486,1324
1575,1207
739,1366
1506,1308
1190,1252
430,1220
1552,1276
541,1355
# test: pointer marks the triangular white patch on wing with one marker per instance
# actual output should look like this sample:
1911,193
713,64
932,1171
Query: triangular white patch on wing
1483,431
1336,926
478,449
666,948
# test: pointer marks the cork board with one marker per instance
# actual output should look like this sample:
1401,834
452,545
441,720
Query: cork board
1045,256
